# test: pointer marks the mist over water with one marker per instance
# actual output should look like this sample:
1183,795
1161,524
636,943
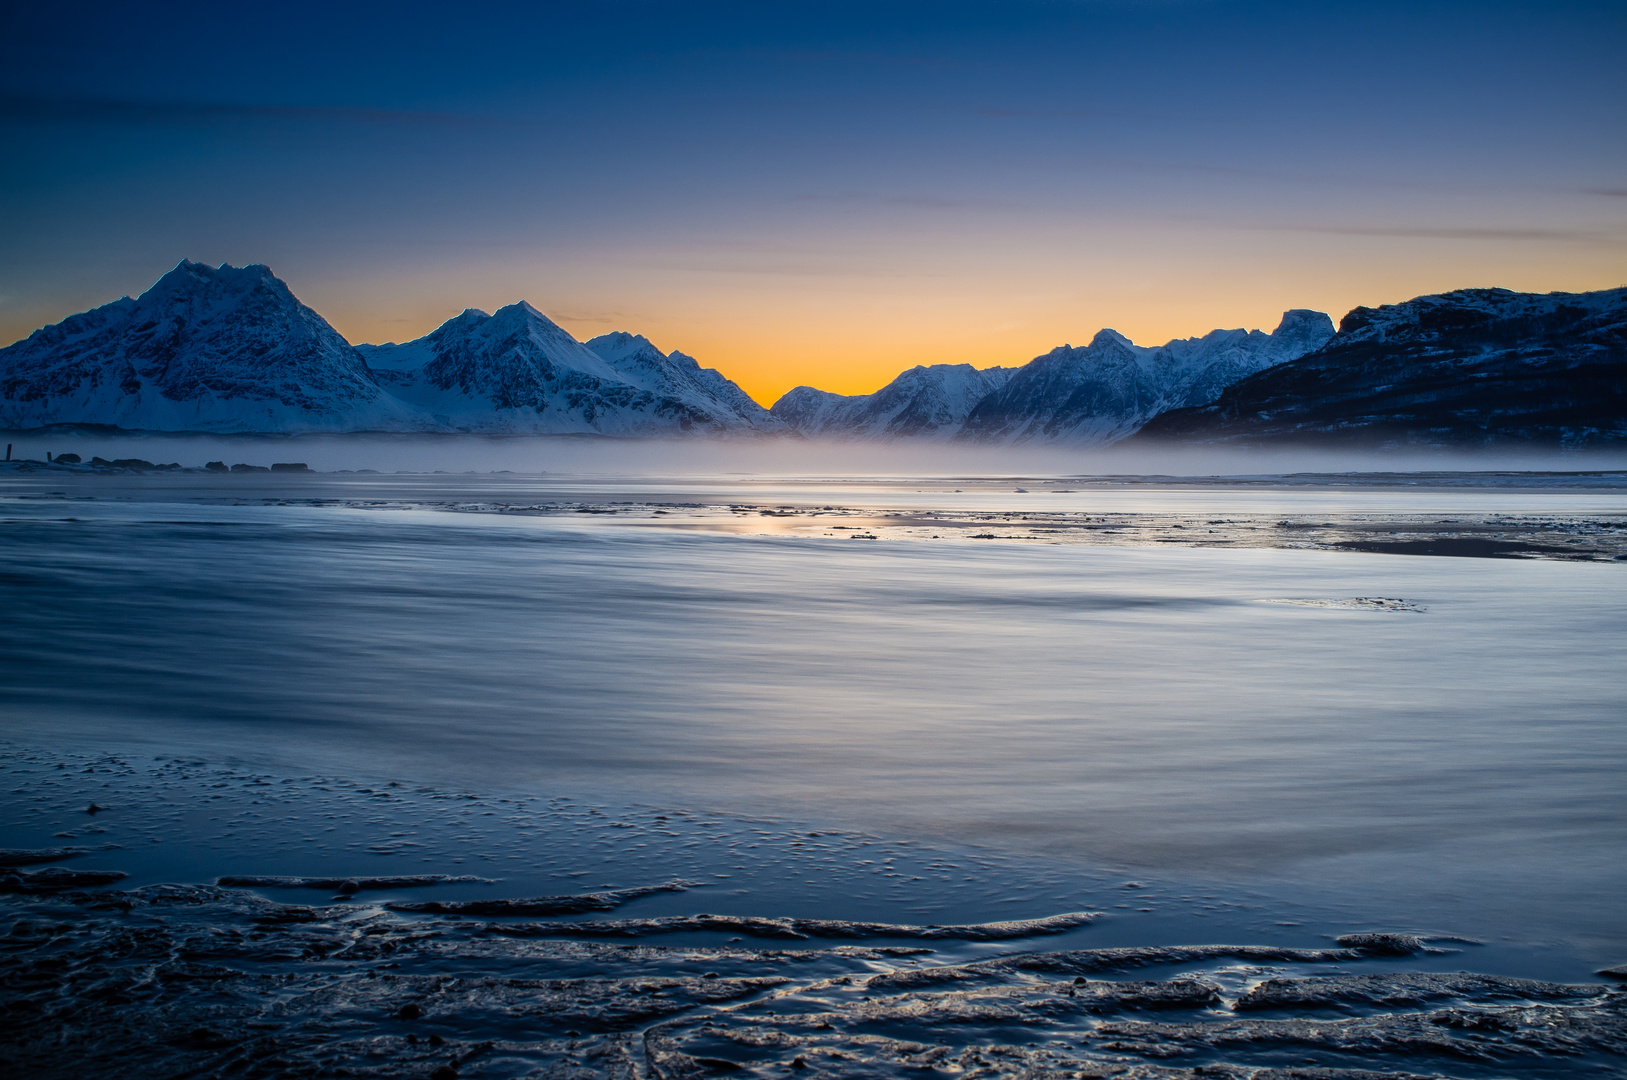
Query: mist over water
1449,759
769,457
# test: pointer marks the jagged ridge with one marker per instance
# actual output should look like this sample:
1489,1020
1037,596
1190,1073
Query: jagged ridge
231,349
1096,394
1474,366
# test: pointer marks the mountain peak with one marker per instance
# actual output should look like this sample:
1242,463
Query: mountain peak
188,270
206,348
618,345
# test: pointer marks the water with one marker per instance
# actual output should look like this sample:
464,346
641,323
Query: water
1169,704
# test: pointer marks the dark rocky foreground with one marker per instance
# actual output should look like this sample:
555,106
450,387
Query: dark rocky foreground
205,981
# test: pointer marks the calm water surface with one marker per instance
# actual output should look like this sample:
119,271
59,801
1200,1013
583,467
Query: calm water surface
1454,765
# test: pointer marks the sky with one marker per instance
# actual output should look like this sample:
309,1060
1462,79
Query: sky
814,191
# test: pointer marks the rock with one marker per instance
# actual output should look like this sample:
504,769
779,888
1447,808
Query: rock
1617,972
436,1040
290,466
346,885
132,463
410,1011
55,879
444,1072
218,466
30,856
1383,944
240,467
68,459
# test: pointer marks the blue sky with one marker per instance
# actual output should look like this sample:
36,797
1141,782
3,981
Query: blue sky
816,192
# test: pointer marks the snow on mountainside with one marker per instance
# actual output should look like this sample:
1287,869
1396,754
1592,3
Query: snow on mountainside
678,375
205,349
1474,366
230,349
517,372
923,401
1111,387
1098,393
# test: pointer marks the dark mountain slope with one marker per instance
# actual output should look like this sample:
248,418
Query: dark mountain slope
1473,367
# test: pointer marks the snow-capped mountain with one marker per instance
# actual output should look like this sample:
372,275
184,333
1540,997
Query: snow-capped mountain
205,349
929,401
1111,387
1094,394
681,376
230,349
515,371
1474,366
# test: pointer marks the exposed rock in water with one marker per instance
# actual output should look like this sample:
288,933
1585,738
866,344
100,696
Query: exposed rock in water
56,879
1384,944
540,905
782,929
32,856
1402,989
408,881
205,981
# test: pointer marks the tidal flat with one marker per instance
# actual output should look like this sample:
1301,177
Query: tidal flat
504,775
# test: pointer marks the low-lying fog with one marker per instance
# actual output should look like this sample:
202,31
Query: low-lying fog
772,456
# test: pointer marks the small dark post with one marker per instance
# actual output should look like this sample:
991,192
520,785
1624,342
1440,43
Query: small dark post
48,457
8,451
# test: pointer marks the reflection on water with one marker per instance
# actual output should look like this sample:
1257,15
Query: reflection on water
1451,754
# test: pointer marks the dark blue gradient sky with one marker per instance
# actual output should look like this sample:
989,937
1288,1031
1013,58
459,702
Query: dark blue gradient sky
816,192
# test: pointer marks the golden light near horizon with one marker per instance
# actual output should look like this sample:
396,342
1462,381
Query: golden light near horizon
793,210
852,328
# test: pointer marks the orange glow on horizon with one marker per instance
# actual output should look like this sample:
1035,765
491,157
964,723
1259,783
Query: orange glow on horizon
769,339
851,324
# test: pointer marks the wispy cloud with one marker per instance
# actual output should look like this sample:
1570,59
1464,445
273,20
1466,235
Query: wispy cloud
1574,236
136,112
596,318
1619,193
918,202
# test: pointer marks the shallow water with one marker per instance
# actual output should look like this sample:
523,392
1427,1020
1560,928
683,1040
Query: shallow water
602,684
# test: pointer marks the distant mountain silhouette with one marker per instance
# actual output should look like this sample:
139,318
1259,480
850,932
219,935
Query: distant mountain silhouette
1465,368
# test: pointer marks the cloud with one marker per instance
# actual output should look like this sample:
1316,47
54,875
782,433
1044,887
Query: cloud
1436,233
1620,193
597,318
134,112
919,202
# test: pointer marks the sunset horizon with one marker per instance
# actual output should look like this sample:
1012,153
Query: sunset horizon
846,539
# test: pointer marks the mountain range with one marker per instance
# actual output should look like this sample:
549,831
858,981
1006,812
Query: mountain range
1464,368
1095,394
229,349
